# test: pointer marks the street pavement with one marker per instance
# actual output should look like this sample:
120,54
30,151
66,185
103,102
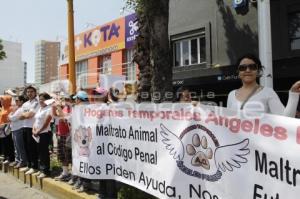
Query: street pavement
11,188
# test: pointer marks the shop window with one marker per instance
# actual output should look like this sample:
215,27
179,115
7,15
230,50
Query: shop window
130,65
294,30
82,73
106,65
189,51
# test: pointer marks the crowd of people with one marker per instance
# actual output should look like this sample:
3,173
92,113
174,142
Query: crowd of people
26,121
26,131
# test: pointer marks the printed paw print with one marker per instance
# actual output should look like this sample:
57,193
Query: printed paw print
200,151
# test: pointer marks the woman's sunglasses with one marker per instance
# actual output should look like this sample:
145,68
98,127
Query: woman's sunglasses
244,67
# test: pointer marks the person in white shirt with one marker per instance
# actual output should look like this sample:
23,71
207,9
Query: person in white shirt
16,126
253,97
29,109
42,133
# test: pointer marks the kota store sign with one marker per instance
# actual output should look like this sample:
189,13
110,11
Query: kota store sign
115,35
181,151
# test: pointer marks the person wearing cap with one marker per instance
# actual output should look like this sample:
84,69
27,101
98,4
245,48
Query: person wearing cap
100,95
79,183
81,96
61,112
107,188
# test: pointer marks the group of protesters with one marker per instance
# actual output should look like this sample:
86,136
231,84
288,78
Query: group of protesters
26,120
26,133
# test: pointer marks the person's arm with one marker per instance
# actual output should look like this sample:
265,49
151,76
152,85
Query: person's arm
276,107
27,115
45,125
291,107
14,116
30,114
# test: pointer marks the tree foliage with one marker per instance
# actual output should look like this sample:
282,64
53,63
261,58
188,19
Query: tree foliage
2,52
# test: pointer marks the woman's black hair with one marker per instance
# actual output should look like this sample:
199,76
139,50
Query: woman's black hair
253,58
46,96
30,87
180,91
113,93
22,98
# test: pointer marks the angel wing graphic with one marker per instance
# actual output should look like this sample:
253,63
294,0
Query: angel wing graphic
172,142
226,157
231,156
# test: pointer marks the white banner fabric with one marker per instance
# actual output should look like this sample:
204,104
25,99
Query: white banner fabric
181,151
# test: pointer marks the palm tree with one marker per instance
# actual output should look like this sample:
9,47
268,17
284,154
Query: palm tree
2,53
153,49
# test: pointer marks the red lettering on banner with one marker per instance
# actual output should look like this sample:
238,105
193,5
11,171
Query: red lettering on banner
256,126
87,112
298,135
237,125
266,130
280,133
247,126
234,125
102,113
212,118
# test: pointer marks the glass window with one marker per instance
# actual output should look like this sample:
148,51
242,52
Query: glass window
202,49
177,54
82,73
106,65
185,53
294,30
190,51
131,66
194,51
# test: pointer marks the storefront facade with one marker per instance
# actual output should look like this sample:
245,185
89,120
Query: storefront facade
105,49
208,37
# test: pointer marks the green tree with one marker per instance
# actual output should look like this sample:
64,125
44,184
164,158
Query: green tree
2,52
153,49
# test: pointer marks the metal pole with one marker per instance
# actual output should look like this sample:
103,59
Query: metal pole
72,71
265,42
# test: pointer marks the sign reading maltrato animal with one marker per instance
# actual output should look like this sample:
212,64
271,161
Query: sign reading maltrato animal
182,151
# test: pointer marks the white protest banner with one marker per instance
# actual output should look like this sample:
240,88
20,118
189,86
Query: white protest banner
181,151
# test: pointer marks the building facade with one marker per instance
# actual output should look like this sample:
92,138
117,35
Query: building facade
12,67
208,37
105,49
46,61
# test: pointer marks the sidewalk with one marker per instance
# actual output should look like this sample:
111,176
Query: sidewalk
56,189
10,188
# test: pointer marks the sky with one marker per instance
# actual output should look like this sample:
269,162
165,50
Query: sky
27,21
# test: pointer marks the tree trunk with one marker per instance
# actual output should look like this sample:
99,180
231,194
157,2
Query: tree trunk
153,50
142,58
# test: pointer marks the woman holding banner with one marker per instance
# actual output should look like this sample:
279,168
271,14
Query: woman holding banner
253,97
107,188
61,112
